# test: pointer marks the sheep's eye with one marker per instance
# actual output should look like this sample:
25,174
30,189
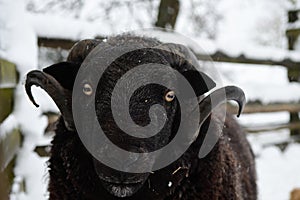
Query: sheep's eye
170,96
87,89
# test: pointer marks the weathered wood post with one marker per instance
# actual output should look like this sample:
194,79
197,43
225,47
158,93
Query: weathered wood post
292,36
293,74
167,14
9,139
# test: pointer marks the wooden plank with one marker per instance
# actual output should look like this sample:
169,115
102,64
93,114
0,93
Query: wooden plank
9,145
6,99
167,13
293,32
8,74
293,15
260,108
43,151
59,42
55,43
217,56
276,127
8,80
223,57
6,180
292,36
282,145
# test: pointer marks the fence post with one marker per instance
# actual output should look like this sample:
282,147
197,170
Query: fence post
293,74
292,36
167,14
10,140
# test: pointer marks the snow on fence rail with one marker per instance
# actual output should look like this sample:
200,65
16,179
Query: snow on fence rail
217,56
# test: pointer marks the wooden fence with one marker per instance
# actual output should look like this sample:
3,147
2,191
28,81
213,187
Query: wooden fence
252,107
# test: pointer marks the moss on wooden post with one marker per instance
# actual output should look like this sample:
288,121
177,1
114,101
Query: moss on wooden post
6,105
8,74
8,80
294,75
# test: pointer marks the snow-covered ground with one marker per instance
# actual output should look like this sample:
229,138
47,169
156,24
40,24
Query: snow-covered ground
244,27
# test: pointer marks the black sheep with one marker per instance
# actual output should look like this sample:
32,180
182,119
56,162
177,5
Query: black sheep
227,172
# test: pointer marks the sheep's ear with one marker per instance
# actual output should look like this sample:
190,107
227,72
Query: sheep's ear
200,82
64,73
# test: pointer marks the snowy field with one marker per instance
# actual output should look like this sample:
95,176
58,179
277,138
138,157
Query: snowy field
245,27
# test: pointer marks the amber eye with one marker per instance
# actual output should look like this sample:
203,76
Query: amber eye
87,89
170,96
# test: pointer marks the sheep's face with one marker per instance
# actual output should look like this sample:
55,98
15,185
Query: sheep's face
141,101
131,84
142,104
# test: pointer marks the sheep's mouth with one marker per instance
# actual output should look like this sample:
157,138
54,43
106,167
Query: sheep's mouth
118,183
122,189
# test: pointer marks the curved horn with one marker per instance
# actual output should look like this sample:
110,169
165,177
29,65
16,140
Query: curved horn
81,49
231,92
180,50
61,96
221,96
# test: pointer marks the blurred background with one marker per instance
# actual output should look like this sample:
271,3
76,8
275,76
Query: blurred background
254,44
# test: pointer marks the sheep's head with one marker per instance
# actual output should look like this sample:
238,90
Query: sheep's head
60,81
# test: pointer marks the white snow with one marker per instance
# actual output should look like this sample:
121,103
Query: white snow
239,27
209,47
17,39
252,22
65,27
9,124
294,25
251,28
278,172
95,18
251,78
